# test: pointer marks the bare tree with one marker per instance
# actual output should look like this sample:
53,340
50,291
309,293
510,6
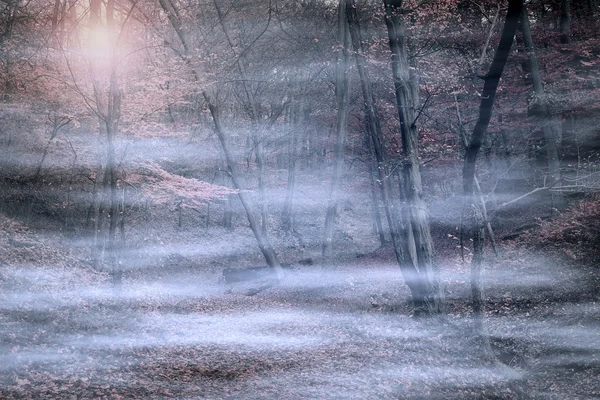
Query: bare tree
539,105
477,220
420,255
263,241
342,96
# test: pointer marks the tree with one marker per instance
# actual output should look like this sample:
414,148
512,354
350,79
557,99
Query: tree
420,256
491,82
263,242
342,97
565,21
539,105
101,52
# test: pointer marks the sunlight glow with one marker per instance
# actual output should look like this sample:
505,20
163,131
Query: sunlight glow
100,43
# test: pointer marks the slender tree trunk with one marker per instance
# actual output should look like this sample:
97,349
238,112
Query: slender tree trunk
9,83
492,79
255,118
417,219
565,21
478,191
57,124
96,212
98,205
112,122
377,224
342,96
539,108
292,151
228,212
122,222
487,41
72,174
261,237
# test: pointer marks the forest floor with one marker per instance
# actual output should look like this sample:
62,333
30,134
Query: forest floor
342,332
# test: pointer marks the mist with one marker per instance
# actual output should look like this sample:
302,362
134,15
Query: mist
299,200
88,332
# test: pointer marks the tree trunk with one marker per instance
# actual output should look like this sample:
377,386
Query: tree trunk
113,116
228,212
96,211
492,79
9,83
261,238
69,211
342,97
417,220
255,118
539,108
565,21
376,214
292,151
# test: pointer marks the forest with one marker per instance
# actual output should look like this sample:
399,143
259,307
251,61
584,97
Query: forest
300,199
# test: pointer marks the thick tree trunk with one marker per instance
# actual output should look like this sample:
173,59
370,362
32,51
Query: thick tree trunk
492,79
342,96
416,216
373,128
9,83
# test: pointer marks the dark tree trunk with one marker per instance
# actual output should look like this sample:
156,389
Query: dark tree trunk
565,21
492,79
342,96
9,83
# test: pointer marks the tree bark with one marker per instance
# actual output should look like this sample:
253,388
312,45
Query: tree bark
342,97
417,222
9,83
478,191
539,108
492,79
565,21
